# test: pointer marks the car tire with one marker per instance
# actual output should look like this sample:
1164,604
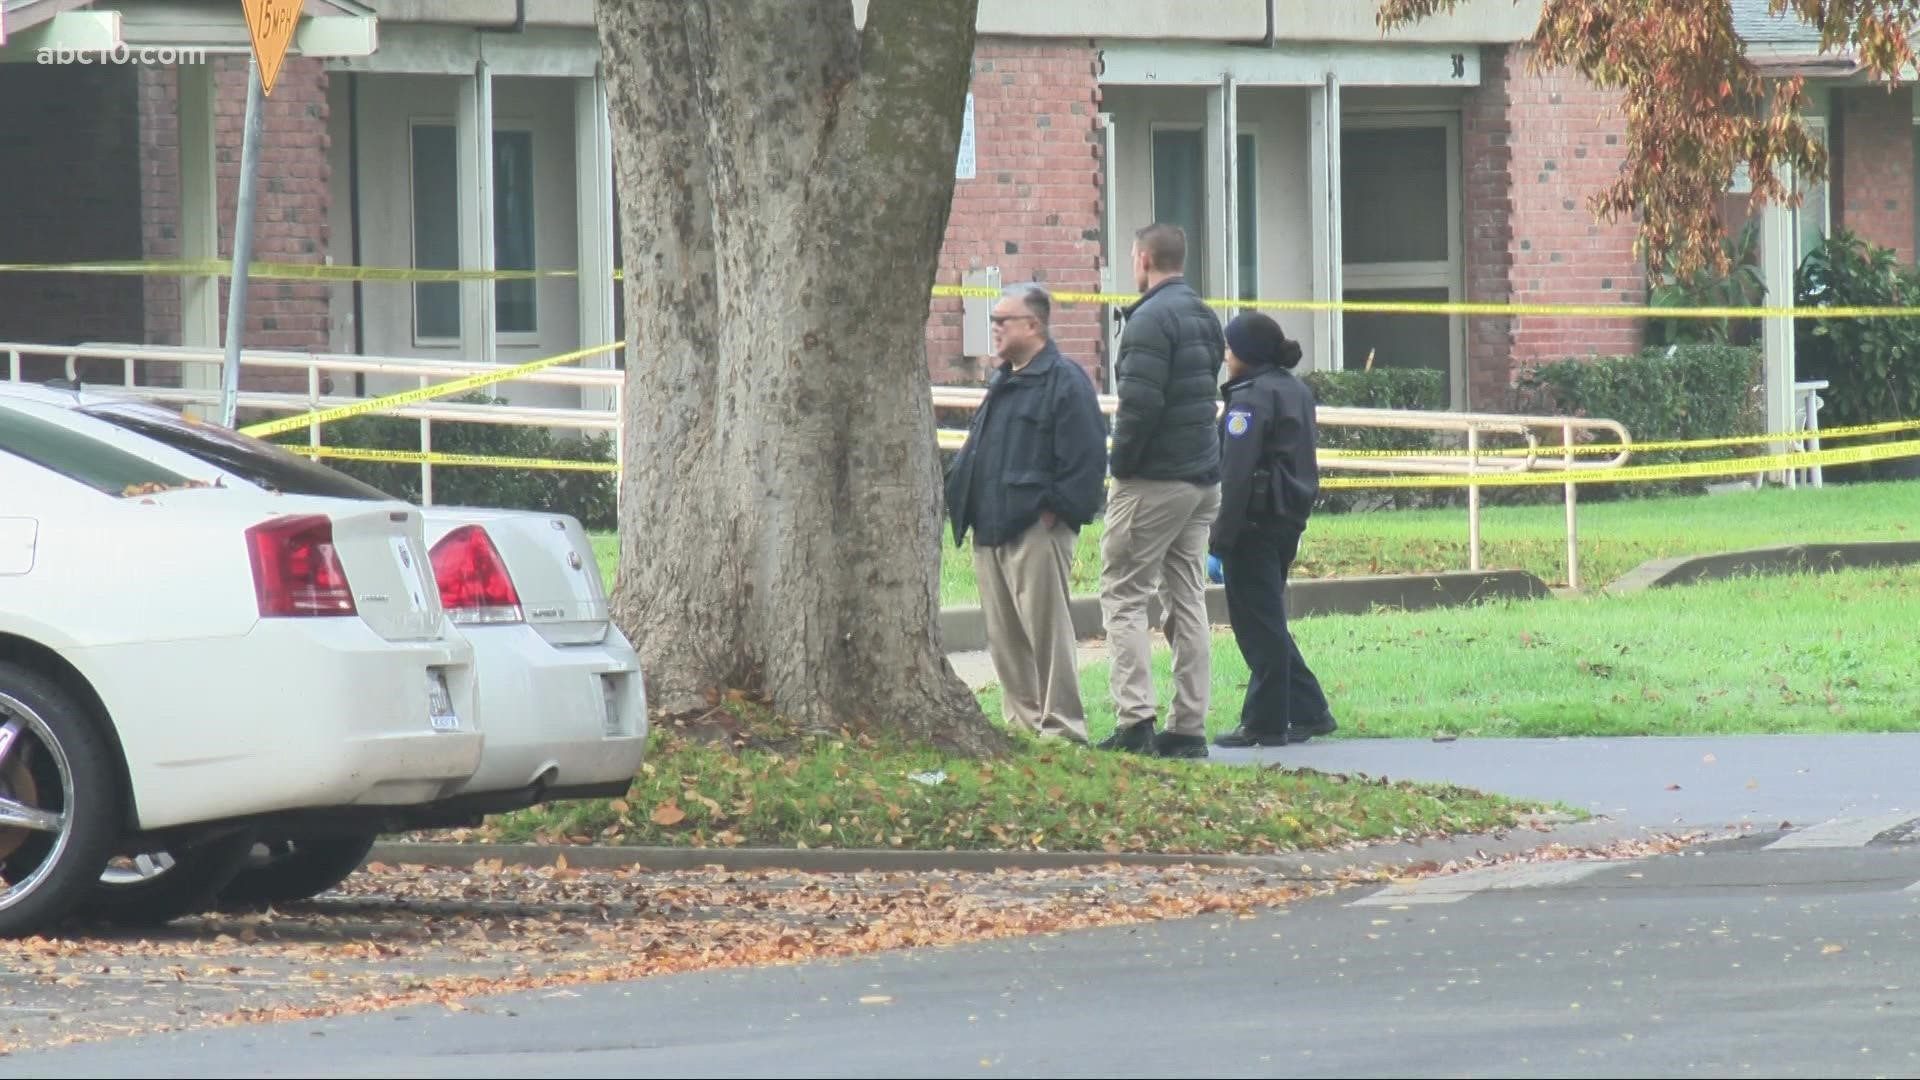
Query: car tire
57,771
167,885
296,868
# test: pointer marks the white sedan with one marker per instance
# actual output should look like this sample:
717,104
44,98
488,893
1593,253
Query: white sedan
181,661
559,690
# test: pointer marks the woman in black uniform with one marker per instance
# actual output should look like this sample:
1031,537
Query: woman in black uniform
1269,481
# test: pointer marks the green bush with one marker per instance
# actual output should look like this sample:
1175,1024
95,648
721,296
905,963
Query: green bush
1381,388
589,496
1675,392
1873,365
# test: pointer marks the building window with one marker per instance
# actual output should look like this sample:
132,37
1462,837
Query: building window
1179,191
1400,241
436,231
514,308
1180,197
1811,225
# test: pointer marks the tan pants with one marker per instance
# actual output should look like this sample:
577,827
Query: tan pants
1024,596
1156,537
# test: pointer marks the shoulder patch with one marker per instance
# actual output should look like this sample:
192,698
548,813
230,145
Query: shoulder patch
1239,423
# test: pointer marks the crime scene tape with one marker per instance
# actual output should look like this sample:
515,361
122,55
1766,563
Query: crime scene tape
1696,470
435,457
1855,431
424,393
280,271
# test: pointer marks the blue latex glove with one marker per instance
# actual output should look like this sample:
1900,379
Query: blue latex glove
1216,573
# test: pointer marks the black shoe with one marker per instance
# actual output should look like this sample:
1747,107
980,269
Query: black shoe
1132,739
1323,726
1241,737
1167,744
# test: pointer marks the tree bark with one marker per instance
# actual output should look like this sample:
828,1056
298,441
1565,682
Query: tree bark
785,179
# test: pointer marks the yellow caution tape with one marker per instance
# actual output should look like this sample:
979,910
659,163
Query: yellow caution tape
424,393
435,457
274,271
953,439
1554,451
1697,470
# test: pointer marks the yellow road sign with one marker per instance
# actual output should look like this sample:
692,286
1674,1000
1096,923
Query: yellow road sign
271,22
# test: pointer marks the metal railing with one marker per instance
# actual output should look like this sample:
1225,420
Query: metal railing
315,365
1473,428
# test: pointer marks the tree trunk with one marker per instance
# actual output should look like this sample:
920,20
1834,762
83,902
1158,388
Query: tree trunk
785,180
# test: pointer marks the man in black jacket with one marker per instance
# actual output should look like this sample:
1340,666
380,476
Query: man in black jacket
1270,478
1031,474
1166,492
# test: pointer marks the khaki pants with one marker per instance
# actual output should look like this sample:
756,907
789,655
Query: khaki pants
1156,536
1024,597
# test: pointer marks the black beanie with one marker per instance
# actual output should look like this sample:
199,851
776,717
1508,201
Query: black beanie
1259,341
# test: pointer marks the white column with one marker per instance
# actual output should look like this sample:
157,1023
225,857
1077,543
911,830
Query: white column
1230,193
1323,108
473,134
593,201
199,222
1214,275
1777,261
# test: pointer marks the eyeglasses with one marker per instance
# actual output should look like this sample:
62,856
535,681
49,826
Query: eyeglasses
1002,320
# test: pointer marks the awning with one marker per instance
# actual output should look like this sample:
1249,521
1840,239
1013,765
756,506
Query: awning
328,28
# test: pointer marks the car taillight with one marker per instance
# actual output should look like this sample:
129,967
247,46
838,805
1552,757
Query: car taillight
473,580
296,571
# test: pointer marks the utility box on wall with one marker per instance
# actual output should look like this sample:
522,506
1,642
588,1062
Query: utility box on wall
976,322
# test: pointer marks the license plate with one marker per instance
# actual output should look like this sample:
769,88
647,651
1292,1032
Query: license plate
440,711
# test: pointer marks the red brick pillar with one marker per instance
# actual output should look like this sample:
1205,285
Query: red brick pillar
1034,206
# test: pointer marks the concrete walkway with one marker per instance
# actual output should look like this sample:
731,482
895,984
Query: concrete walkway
1649,781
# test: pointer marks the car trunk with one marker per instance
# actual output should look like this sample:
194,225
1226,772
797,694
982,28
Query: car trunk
550,559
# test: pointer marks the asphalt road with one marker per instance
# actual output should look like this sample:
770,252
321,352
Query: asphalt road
1780,954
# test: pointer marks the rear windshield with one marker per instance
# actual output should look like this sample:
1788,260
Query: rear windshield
254,460
79,457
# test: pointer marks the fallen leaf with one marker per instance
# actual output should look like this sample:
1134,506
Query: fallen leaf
877,999
1829,950
668,813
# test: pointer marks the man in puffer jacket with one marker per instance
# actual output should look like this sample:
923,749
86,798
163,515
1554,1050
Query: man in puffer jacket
1165,462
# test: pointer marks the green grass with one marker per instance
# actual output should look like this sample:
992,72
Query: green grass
855,793
1830,652
1615,537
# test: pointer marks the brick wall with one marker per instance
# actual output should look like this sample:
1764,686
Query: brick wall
1487,192
1566,144
1874,173
69,192
290,219
160,197
1533,149
1034,206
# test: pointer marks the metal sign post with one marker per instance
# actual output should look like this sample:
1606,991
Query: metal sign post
271,24
242,247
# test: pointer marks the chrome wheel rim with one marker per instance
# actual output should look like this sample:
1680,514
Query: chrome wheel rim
31,756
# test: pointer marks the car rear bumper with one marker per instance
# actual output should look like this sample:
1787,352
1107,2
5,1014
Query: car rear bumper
566,716
297,713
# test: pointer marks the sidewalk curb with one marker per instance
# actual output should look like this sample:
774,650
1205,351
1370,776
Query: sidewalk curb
1303,865
1785,559
964,629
